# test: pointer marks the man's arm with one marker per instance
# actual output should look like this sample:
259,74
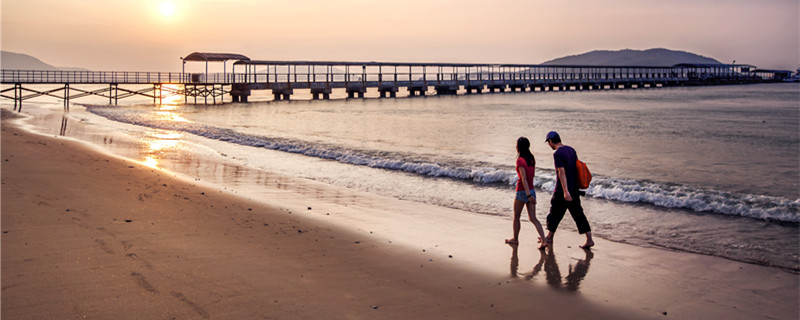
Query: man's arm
562,176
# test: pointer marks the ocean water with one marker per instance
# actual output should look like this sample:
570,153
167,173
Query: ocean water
709,170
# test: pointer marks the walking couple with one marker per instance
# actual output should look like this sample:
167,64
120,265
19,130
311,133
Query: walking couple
563,198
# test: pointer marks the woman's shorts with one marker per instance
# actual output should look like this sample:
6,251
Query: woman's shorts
521,196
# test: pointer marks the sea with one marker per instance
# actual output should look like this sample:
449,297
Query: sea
712,170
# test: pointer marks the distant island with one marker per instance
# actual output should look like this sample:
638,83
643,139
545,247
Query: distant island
21,61
653,57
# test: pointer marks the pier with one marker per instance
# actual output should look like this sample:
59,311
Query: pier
280,79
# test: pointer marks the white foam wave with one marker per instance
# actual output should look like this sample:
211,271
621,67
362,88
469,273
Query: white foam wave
700,200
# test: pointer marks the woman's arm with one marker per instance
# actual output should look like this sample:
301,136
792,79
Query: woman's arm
523,175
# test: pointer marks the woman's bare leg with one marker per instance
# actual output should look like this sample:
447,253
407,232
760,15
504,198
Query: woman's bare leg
517,214
532,217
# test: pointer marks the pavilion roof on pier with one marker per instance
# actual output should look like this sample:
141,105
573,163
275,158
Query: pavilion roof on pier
209,56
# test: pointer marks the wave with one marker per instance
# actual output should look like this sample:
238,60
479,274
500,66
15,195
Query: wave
699,200
616,189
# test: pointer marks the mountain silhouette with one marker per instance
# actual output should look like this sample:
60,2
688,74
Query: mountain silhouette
653,57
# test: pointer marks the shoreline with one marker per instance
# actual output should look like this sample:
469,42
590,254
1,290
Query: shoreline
660,225
161,247
388,267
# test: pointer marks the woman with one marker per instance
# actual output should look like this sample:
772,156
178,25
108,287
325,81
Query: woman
526,167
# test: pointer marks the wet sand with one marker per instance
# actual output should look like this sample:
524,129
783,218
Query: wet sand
86,234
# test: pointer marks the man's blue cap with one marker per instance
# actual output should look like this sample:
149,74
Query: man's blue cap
551,135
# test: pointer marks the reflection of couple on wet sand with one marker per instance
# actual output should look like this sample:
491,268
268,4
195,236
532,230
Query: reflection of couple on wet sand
547,259
564,198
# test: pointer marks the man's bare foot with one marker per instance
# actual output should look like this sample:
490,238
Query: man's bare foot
512,242
588,244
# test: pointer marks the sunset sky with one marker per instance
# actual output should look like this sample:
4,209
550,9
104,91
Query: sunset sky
151,35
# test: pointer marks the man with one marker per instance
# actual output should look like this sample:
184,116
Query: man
566,195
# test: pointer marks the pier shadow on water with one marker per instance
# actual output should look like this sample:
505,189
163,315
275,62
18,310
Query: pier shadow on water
64,121
552,273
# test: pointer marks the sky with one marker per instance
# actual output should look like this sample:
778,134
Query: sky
152,35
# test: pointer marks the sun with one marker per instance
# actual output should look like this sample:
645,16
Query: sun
167,9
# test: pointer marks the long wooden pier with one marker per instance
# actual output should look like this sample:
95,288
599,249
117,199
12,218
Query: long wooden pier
281,78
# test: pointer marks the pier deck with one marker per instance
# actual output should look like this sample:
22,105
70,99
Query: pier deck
281,78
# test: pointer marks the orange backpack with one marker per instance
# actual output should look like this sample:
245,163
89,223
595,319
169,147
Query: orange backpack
584,176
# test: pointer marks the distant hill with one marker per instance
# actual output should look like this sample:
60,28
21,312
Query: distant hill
20,61
651,57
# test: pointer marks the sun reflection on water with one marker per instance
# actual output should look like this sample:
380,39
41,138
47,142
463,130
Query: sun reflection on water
168,115
150,162
170,95
157,143
167,107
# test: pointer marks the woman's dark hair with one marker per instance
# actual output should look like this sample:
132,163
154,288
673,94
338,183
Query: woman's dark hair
524,149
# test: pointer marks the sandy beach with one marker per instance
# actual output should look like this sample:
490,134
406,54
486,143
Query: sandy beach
90,235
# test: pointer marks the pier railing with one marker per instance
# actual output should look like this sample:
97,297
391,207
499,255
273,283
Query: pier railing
285,77
332,72
282,77
92,77
282,72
